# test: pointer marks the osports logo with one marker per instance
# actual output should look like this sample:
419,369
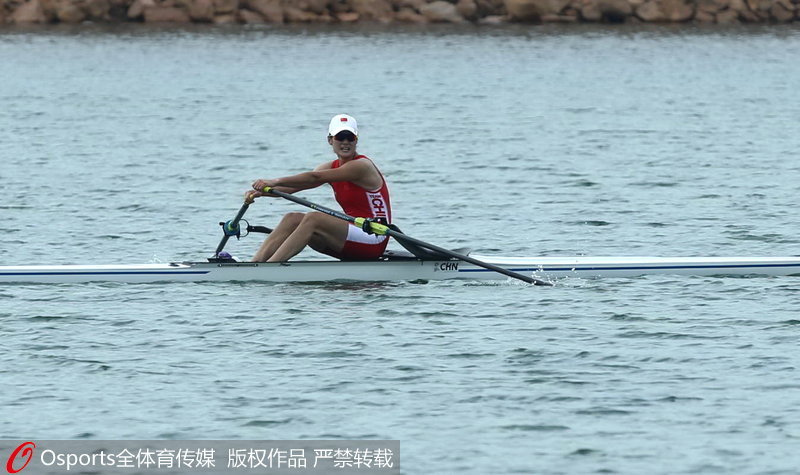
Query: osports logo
24,451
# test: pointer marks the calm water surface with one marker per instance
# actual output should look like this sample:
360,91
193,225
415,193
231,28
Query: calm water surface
130,146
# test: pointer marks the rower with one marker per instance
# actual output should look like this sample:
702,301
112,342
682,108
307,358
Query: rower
358,187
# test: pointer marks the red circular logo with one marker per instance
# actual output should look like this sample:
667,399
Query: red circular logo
26,451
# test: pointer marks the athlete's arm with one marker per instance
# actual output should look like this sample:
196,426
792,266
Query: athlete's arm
360,172
277,184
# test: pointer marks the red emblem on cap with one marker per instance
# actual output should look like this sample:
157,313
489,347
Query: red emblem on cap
343,119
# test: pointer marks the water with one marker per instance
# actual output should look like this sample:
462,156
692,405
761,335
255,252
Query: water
129,146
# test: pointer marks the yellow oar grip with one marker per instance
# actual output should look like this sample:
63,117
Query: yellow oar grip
376,228
266,189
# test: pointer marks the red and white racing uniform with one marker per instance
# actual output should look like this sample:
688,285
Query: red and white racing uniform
362,203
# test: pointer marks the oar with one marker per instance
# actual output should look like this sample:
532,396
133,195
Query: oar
378,228
231,228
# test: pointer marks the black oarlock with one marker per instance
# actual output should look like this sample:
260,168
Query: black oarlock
231,228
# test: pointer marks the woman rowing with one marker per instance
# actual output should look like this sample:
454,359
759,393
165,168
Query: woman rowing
359,188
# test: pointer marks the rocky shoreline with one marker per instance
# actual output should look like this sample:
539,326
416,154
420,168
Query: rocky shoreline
398,11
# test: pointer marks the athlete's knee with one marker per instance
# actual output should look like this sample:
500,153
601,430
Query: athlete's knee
293,218
314,219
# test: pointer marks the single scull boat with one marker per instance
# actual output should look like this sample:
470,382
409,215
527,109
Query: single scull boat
402,267
420,261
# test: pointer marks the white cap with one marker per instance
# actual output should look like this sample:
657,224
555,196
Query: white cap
342,122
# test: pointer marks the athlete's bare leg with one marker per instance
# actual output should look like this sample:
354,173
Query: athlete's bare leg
278,235
322,232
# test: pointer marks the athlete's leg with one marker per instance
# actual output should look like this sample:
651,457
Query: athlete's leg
278,235
323,233
363,246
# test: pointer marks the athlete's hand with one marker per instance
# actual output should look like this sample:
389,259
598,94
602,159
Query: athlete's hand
259,184
251,195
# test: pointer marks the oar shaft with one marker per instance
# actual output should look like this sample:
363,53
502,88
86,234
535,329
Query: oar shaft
465,258
314,206
401,236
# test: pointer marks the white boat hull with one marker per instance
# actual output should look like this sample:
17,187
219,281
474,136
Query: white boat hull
402,270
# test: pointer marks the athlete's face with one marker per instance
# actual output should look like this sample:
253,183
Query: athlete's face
344,144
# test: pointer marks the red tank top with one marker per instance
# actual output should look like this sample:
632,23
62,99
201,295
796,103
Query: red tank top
360,202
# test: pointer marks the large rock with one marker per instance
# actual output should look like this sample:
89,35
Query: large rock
296,15
226,19
48,7
373,10
533,10
346,17
222,7
485,8
523,10
727,16
763,5
493,20
409,15
781,13
572,18
677,10
202,11
748,10
271,10
29,12
118,9
68,12
338,7
97,9
590,12
413,4
651,12
737,5
665,11
614,11
489,8
467,9
712,6
137,8
703,16
249,17
747,16
159,14
441,12
318,7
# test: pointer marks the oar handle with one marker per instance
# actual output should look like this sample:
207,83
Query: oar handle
379,228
